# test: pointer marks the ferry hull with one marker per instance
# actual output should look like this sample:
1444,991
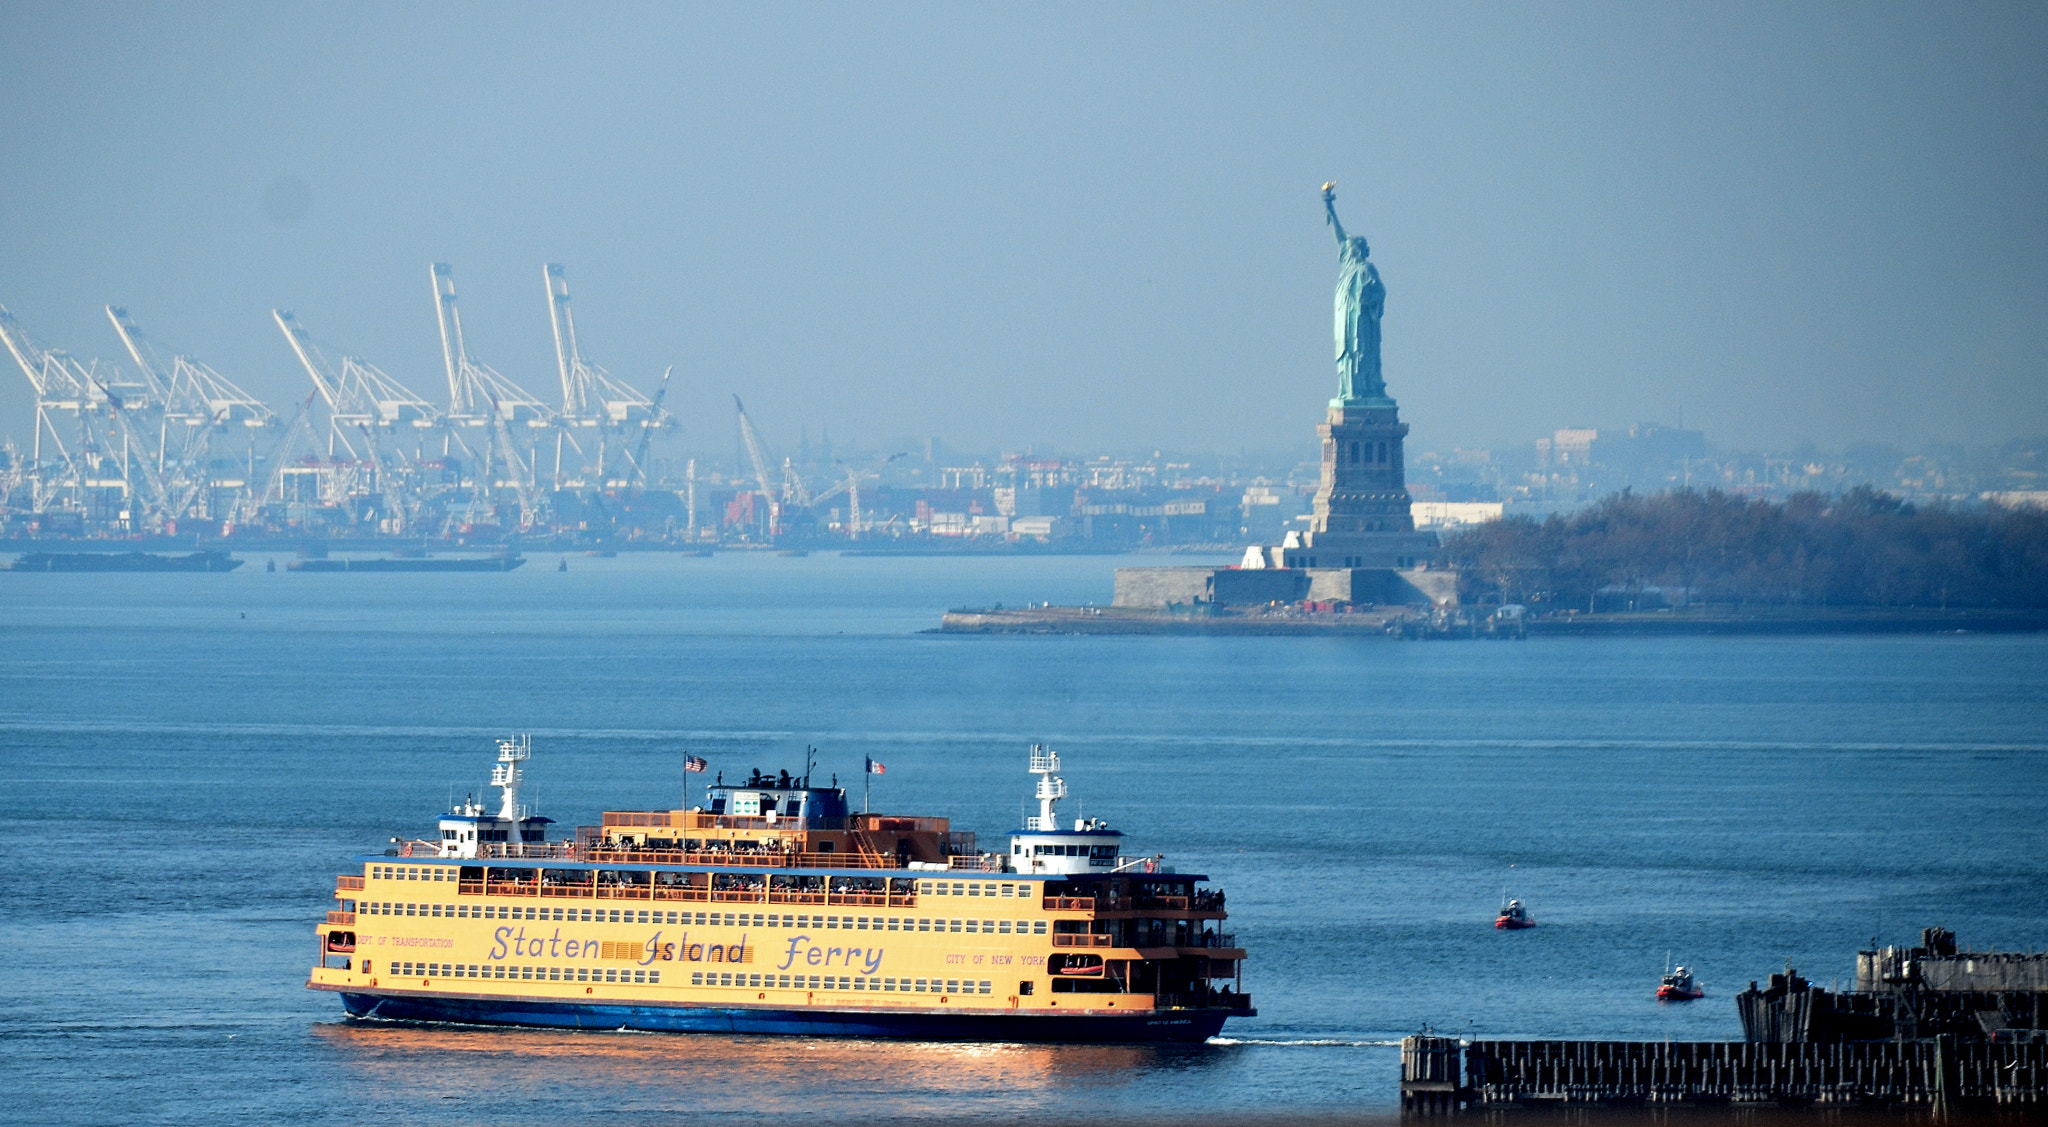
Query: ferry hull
1177,1026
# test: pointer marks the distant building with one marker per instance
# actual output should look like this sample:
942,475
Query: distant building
1454,514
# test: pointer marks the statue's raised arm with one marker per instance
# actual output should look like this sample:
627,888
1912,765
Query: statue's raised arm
1330,207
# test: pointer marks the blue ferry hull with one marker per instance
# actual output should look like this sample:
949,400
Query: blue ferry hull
1183,1026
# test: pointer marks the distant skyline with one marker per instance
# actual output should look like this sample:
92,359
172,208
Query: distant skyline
1082,228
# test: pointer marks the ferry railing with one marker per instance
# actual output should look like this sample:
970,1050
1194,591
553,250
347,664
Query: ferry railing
348,884
1083,939
341,918
526,850
725,859
1176,903
1070,903
985,863
700,895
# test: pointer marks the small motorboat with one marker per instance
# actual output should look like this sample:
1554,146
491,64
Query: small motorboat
1514,916
1678,986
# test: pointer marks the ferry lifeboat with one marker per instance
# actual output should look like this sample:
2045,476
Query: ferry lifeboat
775,908
1678,986
1513,917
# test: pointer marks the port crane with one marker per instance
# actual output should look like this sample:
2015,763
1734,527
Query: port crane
591,398
751,439
479,397
99,455
475,391
197,402
359,396
368,413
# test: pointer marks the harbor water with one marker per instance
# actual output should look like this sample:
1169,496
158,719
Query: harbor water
187,760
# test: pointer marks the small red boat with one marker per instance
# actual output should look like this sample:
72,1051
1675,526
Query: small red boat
1513,917
1679,987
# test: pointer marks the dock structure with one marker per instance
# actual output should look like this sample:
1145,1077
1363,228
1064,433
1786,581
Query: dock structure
1926,1027
1442,1075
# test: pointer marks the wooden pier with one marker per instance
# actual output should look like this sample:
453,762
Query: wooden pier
1441,1075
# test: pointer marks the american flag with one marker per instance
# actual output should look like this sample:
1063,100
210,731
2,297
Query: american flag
875,768
695,763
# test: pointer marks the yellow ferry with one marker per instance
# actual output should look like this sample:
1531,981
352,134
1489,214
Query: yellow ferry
775,908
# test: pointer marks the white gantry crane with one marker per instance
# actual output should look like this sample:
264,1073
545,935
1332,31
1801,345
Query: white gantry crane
197,404
476,393
480,397
368,415
777,496
604,409
358,396
83,415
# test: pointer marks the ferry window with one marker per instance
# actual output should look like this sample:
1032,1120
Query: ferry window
1025,986
972,889
955,927
988,927
956,889
892,923
1002,927
985,986
1038,927
952,986
921,987
696,978
654,976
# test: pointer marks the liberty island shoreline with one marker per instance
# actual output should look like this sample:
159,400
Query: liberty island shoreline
1403,622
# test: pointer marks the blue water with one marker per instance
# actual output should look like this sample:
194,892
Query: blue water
187,760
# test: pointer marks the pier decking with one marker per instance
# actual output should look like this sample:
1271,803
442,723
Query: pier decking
1443,1075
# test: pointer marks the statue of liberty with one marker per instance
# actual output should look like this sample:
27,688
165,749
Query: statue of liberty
1360,299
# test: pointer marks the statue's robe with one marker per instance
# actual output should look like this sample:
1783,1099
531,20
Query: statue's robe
1360,299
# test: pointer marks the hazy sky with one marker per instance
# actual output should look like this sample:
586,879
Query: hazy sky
1074,226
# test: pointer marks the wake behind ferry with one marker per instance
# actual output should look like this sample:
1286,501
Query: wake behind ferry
776,909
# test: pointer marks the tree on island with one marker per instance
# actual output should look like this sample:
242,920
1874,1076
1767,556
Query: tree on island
1862,548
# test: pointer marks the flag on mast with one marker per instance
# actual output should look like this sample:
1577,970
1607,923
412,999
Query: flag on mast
696,764
875,768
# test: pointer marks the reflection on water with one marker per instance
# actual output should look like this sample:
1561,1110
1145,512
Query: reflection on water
721,1074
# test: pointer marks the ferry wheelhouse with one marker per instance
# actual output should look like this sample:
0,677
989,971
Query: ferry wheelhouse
774,908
